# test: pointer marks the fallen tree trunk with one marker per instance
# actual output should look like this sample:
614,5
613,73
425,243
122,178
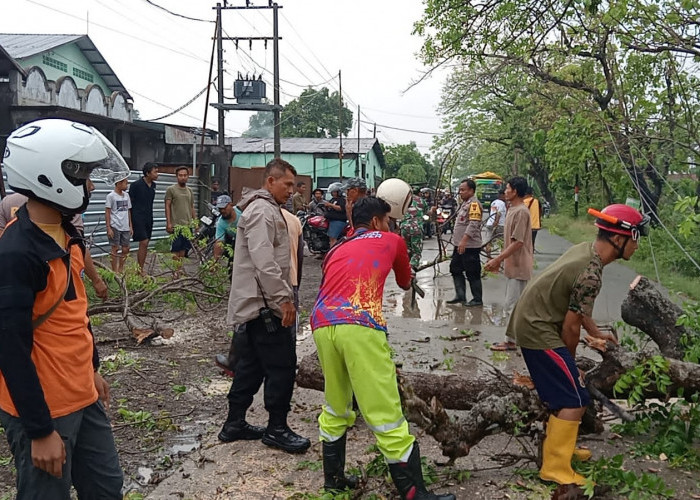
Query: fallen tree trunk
455,392
645,308
497,403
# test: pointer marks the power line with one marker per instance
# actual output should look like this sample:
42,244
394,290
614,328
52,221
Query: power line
177,110
209,124
149,2
635,183
119,32
147,26
402,129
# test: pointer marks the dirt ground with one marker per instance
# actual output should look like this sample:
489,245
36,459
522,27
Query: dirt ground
169,402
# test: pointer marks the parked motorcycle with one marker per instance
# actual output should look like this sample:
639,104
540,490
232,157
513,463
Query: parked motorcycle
546,208
314,230
207,232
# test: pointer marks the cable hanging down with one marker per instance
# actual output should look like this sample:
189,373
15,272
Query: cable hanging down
175,111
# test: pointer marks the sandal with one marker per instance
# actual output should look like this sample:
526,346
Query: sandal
504,346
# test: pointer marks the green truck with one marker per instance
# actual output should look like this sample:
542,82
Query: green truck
488,185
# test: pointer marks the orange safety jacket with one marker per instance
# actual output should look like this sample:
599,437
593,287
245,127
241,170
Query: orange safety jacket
48,371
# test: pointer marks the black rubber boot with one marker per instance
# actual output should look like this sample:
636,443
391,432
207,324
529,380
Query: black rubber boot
460,289
334,467
279,435
476,289
237,429
408,479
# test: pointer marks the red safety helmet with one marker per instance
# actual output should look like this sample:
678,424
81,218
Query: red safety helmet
622,219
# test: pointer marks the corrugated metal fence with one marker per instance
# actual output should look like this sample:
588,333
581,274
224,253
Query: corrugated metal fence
94,216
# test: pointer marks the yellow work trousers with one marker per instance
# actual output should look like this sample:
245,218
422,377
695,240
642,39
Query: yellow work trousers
357,359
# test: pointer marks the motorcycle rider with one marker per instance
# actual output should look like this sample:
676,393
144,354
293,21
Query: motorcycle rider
317,204
429,211
335,212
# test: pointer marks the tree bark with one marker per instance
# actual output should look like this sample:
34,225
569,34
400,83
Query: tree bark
498,403
648,310
456,392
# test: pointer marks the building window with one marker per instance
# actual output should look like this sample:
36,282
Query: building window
54,63
84,75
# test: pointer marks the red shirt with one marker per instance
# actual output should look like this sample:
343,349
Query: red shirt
354,274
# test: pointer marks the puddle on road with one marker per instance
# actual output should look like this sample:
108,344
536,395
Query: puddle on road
185,443
434,306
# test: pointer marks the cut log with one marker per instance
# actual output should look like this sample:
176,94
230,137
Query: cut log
455,392
495,403
645,308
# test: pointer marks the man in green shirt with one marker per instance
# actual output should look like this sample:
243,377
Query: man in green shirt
179,210
546,324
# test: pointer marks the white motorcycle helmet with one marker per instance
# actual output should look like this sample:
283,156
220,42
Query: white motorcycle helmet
397,194
50,160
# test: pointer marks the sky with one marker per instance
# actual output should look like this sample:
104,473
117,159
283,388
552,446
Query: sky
163,59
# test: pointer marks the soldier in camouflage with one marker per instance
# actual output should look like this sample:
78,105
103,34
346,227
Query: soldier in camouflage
412,232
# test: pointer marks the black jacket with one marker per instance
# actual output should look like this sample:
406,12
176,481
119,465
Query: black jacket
25,251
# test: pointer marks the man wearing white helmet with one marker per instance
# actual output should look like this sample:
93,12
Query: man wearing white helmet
335,212
51,395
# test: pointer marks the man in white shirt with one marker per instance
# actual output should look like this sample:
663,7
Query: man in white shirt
496,221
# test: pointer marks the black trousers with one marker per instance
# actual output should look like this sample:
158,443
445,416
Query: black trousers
263,357
468,263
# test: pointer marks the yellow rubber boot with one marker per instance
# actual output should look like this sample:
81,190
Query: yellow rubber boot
557,451
582,454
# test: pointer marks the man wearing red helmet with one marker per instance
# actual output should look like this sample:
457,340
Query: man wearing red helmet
546,324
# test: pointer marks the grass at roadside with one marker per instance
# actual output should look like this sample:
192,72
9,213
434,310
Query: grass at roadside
582,229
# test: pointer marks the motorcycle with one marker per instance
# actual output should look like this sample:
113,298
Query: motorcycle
314,230
546,208
207,232
444,220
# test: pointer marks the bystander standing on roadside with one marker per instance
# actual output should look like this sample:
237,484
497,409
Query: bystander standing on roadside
533,205
355,188
179,211
51,394
261,306
495,224
215,190
298,199
118,222
517,254
142,193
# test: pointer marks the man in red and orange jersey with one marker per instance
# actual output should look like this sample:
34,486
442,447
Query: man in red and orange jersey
350,335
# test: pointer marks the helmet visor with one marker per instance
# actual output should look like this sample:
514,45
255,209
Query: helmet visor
111,169
643,227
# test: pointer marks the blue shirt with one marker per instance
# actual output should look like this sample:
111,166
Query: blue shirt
228,227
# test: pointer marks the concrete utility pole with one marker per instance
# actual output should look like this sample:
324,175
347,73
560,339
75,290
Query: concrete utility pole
340,132
357,159
220,73
275,108
276,81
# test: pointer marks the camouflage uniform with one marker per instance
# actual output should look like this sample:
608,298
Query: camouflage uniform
412,232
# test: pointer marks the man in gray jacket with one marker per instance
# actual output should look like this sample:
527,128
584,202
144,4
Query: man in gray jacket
261,305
